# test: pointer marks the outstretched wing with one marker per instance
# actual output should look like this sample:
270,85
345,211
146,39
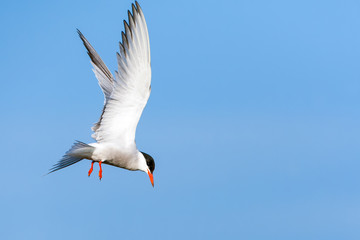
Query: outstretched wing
102,73
127,95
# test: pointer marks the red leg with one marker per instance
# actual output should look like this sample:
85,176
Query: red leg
100,171
91,169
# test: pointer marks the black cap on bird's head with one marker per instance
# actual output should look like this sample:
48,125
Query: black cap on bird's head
151,165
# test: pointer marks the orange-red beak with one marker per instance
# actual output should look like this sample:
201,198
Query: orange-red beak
151,177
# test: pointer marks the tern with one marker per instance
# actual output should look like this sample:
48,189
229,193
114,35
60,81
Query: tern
125,96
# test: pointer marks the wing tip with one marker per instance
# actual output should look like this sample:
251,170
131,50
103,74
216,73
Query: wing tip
82,37
124,39
138,8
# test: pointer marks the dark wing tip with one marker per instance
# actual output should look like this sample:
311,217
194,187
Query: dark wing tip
122,50
84,40
80,34
134,10
124,40
94,56
137,6
126,25
131,18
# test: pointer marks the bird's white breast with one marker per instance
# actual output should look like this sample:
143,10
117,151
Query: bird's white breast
112,154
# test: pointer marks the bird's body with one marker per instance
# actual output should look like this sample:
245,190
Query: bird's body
109,153
126,96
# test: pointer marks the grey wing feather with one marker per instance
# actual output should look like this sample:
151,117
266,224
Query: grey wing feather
102,73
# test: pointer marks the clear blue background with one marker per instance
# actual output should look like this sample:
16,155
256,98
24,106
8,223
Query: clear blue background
254,121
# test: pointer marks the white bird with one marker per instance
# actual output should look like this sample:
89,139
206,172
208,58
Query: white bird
125,98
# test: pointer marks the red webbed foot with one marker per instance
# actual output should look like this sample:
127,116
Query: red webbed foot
100,171
91,168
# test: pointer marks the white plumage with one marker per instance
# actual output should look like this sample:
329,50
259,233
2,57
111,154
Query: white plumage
125,96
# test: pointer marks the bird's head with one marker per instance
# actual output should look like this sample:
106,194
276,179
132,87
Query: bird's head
150,166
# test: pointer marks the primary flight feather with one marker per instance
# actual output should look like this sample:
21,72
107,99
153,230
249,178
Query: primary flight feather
125,96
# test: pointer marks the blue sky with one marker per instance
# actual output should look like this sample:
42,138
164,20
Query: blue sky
253,121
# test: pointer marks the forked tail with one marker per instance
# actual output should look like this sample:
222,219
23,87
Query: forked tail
77,152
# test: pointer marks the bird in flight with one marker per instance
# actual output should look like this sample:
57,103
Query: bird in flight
125,95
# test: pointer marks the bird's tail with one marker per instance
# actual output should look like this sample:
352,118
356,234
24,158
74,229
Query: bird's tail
77,152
